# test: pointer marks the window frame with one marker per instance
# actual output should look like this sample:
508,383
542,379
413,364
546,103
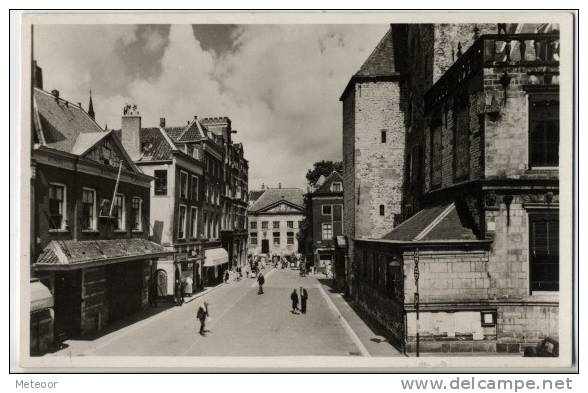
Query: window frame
278,238
63,226
383,136
193,223
194,192
253,238
123,217
323,230
290,224
339,184
541,97
94,225
184,195
274,226
549,216
133,199
253,225
382,210
290,238
264,225
330,214
180,206
155,182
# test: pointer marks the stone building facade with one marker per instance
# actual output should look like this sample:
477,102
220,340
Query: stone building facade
480,211
274,222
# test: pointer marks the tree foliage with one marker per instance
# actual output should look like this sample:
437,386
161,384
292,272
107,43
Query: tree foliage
323,168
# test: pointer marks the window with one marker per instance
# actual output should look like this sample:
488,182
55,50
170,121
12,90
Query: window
277,238
253,239
105,154
327,233
88,209
276,225
336,187
290,238
264,225
183,185
544,251
160,182
182,222
327,210
436,159
194,191
543,132
253,224
118,211
382,210
383,136
193,222
290,224
57,210
136,214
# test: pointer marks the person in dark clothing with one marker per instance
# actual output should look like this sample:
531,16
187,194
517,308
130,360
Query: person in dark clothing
226,276
201,314
303,299
294,298
260,281
179,293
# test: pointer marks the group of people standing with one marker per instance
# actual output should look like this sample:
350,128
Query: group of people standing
301,299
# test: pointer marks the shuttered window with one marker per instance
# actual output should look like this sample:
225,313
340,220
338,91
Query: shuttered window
543,131
544,251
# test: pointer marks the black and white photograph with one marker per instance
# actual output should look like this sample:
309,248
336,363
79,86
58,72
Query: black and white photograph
297,190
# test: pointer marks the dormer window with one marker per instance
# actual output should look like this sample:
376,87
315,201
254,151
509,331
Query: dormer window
336,187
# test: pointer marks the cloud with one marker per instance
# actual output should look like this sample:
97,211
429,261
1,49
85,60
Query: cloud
280,85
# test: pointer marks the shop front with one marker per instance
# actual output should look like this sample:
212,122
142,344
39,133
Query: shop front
216,261
97,282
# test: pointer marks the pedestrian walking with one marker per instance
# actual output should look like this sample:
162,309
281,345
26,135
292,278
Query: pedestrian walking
303,299
179,293
260,281
294,299
202,314
226,276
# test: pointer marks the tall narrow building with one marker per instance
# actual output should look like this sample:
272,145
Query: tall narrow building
373,147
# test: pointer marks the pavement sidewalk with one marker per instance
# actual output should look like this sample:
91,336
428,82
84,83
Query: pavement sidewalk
372,338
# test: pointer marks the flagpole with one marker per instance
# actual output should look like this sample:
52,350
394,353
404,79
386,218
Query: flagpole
115,189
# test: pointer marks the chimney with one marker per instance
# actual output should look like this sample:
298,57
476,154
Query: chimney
130,129
55,93
162,122
280,185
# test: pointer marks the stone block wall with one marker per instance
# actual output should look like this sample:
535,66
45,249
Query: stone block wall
379,167
349,176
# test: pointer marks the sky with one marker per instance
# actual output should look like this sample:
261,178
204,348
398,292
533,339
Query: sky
279,84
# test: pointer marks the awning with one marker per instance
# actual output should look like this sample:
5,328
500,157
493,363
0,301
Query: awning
41,297
215,256
73,254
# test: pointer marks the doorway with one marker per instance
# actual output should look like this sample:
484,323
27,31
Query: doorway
265,246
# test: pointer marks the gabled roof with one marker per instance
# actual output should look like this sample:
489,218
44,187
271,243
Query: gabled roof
435,223
272,196
86,141
325,185
58,122
68,254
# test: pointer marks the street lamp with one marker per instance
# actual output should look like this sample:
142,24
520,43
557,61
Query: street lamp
416,298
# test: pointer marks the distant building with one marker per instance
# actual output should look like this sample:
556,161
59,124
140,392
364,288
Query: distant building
323,225
90,205
274,221
476,247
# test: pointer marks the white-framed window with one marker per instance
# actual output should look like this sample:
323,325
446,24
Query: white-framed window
182,222
327,231
119,213
290,224
183,185
253,238
137,214
88,209
276,225
160,182
290,238
194,189
253,224
276,238
336,187
57,206
193,222
327,210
